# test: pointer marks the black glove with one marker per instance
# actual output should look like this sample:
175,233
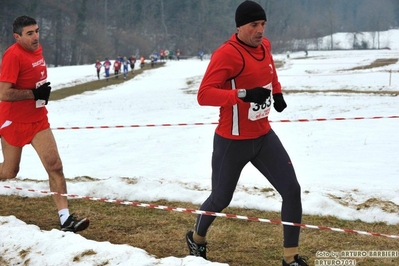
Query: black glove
256,95
279,103
42,92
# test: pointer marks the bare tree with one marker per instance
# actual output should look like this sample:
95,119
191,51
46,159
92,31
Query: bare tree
81,31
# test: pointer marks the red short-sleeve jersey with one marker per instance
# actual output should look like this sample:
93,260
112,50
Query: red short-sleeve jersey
25,70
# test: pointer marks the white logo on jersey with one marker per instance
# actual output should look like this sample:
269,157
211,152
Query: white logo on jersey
41,62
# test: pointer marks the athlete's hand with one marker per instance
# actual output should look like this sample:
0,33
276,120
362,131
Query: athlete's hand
256,95
279,103
42,92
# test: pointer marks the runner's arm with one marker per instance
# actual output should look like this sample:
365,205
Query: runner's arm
9,94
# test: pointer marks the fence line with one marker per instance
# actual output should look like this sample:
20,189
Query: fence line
193,211
215,123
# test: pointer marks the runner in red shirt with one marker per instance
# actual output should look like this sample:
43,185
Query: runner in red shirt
132,61
98,66
24,92
241,79
117,67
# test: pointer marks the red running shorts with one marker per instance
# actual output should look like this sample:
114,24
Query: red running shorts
20,134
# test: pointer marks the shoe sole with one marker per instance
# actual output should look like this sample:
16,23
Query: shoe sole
80,226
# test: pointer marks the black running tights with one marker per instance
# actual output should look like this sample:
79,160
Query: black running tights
269,156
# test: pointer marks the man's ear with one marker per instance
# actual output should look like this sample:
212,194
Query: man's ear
16,36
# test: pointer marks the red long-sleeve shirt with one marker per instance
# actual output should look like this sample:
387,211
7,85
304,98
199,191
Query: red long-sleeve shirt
233,66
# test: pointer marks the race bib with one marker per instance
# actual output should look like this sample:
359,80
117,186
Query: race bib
258,111
40,103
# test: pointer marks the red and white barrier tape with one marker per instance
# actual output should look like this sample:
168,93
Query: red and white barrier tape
143,125
215,123
224,215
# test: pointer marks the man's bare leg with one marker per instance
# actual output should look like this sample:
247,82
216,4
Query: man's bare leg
46,147
12,158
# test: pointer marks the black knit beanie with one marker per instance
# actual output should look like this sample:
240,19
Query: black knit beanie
249,11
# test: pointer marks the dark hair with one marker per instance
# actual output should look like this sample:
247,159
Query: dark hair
21,22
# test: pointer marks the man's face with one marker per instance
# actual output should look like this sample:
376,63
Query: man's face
252,33
29,39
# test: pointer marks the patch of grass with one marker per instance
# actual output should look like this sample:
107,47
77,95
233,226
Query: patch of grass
89,252
377,63
232,241
278,63
98,84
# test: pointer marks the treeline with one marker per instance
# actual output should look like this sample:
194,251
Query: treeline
81,31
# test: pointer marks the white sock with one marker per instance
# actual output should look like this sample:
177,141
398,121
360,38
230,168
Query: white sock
64,214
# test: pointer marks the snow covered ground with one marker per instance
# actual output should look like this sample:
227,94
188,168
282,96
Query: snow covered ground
340,164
